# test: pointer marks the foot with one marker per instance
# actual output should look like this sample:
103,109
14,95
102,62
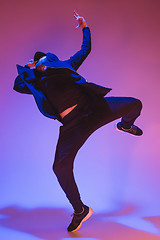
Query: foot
134,130
79,218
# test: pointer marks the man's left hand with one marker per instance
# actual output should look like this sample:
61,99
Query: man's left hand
81,21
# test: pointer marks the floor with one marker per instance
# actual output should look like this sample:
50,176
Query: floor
50,224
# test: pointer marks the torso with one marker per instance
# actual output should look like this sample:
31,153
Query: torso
67,111
61,91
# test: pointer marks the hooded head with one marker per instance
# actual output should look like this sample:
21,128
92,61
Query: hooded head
38,55
50,56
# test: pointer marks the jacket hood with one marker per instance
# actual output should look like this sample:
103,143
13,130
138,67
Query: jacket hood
38,55
52,57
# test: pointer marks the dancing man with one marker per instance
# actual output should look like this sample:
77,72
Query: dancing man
63,94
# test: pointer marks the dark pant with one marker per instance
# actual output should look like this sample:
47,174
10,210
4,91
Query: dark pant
78,126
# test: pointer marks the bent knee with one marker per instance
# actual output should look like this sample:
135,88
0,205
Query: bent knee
60,169
137,103
57,168
54,168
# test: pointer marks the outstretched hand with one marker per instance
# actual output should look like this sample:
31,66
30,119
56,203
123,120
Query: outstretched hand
81,21
31,63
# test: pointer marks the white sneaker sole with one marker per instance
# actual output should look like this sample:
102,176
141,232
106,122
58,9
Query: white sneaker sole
115,126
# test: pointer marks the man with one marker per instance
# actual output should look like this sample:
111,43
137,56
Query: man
61,93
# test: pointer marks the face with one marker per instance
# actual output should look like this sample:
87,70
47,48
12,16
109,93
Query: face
31,63
39,65
41,68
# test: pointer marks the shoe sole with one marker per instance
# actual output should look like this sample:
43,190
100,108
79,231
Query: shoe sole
84,219
116,128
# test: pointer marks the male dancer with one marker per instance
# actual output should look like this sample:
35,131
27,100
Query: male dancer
61,93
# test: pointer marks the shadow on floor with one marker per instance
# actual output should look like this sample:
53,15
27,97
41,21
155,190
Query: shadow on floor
51,224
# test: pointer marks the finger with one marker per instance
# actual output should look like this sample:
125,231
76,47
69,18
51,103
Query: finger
77,26
31,60
76,15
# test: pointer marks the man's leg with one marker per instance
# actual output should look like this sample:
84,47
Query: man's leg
74,134
129,109
68,144
71,138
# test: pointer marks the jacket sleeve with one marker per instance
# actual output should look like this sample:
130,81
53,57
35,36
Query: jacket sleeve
20,86
77,59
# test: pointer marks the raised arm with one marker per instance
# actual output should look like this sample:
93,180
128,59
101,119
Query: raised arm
77,59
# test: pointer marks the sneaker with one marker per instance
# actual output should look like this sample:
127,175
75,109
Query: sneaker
134,130
79,218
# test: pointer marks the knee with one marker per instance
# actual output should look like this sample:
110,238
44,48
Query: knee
58,164
61,169
56,168
58,171
63,163
137,103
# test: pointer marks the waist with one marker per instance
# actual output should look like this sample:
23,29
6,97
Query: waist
67,111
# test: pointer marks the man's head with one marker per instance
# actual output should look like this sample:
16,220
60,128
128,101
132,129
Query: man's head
40,59
38,55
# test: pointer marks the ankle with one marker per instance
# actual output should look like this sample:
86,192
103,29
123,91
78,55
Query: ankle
125,126
78,213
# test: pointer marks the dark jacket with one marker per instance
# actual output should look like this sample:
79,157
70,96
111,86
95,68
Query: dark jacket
26,80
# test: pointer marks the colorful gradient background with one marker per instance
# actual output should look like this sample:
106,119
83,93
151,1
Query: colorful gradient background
112,169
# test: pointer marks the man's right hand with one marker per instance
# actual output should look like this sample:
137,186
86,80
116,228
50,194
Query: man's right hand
31,63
